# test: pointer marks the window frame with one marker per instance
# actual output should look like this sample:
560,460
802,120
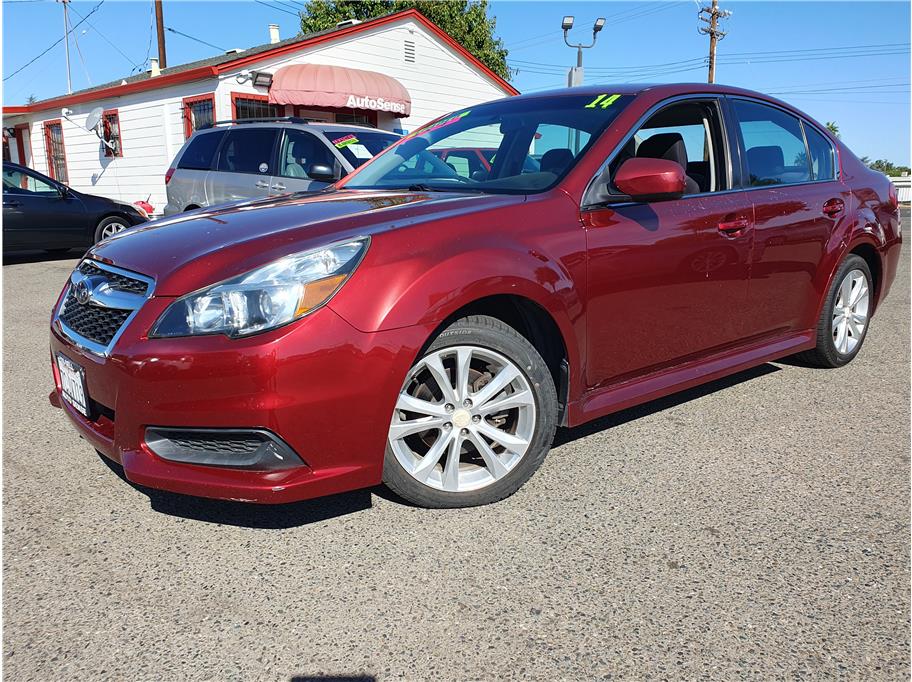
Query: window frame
253,96
108,152
186,103
728,146
802,121
273,156
279,161
834,155
52,171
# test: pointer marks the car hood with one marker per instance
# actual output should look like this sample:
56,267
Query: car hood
191,251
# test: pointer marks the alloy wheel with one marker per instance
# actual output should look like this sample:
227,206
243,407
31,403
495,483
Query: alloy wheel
464,419
111,229
850,313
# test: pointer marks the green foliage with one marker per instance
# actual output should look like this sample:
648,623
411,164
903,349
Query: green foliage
833,128
466,21
886,167
31,99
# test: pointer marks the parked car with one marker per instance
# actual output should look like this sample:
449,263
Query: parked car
255,158
42,214
418,327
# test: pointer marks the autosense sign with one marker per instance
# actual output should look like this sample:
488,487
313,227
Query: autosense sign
375,103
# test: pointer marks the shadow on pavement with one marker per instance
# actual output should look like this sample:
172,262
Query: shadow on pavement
332,678
565,435
20,257
267,516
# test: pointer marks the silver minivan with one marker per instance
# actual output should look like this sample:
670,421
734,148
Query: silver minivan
257,158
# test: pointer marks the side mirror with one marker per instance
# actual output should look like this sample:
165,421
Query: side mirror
650,179
321,172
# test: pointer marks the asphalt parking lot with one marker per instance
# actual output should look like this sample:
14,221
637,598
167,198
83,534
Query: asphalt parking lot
755,527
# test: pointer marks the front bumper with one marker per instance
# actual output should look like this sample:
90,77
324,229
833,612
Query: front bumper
323,387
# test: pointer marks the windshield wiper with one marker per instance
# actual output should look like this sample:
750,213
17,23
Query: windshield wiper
421,187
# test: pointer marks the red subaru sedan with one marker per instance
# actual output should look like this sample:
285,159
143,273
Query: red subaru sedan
431,329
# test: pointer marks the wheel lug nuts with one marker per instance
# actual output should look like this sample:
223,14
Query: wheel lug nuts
476,419
448,407
448,426
467,403
465,432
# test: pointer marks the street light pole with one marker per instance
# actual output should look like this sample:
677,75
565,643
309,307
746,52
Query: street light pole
575,76
66,41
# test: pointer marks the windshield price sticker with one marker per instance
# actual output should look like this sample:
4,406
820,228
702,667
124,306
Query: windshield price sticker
345,141
603,101
438,126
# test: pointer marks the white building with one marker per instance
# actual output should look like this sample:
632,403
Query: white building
395,72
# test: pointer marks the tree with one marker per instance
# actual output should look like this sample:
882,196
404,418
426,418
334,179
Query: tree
886,167
833,128
31,99
466,21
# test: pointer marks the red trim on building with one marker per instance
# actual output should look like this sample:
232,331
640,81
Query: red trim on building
48,149
210,71
185,111
20,142
107,114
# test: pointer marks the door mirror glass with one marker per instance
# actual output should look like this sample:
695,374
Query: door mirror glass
321,172
645,179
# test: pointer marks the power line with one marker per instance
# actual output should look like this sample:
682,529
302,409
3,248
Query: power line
280,9
199,40
105,38
712,15
55,43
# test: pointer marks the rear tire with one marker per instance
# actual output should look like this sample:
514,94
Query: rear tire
845,318
462,445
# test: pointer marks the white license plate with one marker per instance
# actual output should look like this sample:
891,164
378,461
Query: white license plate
72,384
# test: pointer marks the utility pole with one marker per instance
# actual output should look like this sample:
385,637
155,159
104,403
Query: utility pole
160,24
575,75
712,15
66,42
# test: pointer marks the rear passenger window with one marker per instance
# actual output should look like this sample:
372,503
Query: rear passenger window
247,151
201,151
774,145
823,166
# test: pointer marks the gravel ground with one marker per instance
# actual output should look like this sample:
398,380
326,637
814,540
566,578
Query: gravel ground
755,527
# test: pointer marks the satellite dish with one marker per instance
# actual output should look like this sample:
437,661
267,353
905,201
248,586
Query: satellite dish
94,118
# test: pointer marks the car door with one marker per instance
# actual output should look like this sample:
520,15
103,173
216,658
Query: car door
245,165
39,213
299,154
668,280
798,202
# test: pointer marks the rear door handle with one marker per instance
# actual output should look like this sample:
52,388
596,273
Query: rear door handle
734,228
262,184
833,207
281,188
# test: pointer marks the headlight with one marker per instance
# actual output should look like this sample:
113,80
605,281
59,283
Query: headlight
265,298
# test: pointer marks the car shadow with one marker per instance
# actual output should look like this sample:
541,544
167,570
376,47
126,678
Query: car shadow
296,514
568,435
22,257
245,514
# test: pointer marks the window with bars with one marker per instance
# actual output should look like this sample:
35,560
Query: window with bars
246,107
199,112
56,154
111,132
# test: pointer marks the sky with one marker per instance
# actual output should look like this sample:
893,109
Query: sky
846,62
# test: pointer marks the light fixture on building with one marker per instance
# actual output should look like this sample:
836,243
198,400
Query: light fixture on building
262,79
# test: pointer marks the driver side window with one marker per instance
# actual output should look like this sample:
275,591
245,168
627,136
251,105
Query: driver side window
687,133
17,182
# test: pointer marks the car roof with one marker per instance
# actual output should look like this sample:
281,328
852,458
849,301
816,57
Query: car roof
308,125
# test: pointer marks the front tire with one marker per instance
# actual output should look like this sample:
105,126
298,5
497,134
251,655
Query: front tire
843,323
109,227
474,419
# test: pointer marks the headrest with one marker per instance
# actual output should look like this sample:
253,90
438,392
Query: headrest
668,146
556,160
765,161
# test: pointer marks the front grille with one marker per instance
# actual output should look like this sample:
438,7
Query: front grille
94,322
231,446
115,280
256,449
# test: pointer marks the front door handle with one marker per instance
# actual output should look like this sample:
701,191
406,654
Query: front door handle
262,184
734,228
9,203
280,188
833,207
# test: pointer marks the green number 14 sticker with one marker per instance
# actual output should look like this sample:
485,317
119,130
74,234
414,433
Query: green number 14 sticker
603,101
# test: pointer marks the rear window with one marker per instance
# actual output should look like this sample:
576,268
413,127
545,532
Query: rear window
360,146
822,165
201,151
248,151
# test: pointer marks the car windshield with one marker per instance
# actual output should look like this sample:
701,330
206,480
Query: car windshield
359,146
511,146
